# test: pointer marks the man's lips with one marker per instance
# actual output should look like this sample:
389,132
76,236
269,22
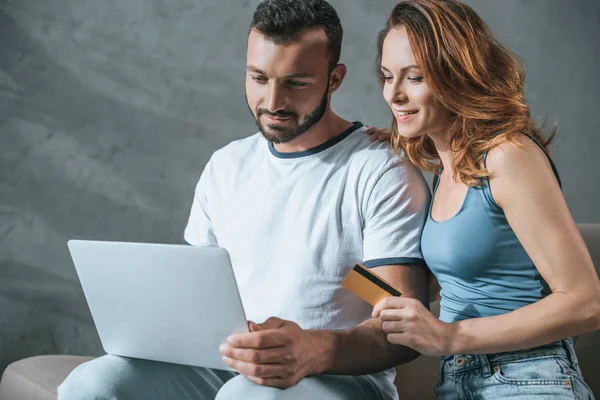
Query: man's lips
276,120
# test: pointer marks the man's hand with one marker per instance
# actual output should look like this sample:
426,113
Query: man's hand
275,353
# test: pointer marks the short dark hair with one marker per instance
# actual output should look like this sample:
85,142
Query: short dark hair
283,21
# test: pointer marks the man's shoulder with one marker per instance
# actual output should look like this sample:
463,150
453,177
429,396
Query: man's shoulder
377,157
239,149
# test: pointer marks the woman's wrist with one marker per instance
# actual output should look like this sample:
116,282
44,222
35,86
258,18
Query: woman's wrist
453,339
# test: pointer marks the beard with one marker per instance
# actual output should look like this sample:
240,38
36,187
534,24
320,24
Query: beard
278,134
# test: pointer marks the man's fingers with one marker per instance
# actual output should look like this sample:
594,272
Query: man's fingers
268,356
272,323
263,339
257,370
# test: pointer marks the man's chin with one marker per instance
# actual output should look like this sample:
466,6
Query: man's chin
277,136
276,139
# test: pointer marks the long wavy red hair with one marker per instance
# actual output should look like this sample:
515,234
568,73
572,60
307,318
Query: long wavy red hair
470,73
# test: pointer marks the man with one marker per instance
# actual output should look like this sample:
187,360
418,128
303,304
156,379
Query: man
297,205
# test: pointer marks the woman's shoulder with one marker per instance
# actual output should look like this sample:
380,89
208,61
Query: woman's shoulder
518,153
519,166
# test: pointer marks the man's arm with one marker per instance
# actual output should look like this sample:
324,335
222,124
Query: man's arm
394,214
279,353
365,349
199,230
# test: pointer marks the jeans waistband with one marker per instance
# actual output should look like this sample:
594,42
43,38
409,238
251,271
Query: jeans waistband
486,362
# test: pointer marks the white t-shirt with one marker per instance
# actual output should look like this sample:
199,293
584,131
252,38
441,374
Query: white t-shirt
295,224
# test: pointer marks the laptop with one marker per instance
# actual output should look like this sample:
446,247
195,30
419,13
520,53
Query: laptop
169,303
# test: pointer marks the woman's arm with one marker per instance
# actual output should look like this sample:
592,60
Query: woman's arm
524,186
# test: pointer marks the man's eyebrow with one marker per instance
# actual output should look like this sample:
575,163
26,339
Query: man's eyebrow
298,75
250,68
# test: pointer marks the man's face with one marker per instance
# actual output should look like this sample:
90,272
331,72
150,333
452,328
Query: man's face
287,84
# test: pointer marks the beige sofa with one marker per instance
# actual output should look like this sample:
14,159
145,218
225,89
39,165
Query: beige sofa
37,378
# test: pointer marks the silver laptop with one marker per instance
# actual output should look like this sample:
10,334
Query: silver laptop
171,303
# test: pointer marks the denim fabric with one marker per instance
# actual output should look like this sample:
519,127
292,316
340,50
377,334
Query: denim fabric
120,378
545,372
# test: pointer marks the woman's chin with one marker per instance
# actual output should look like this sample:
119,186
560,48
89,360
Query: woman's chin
410,134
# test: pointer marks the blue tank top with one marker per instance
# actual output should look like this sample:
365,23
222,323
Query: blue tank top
482,268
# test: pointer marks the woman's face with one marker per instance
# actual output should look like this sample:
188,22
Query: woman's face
407,94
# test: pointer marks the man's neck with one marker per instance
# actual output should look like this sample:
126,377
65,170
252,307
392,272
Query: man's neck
330,126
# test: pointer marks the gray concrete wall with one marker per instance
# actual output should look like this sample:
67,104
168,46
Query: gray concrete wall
110,109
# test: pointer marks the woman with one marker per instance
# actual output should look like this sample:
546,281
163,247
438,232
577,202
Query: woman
516,278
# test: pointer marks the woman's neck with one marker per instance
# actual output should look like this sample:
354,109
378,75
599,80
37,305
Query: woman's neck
440,141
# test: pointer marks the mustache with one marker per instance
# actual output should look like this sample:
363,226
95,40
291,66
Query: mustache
276,114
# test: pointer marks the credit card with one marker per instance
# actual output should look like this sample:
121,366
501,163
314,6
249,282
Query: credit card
368,286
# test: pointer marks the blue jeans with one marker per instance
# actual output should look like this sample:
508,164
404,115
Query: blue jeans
545,372
120,378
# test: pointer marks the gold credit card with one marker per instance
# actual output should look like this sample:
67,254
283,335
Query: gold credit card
367,285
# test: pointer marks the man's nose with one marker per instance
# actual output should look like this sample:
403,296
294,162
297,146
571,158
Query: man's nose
275,100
